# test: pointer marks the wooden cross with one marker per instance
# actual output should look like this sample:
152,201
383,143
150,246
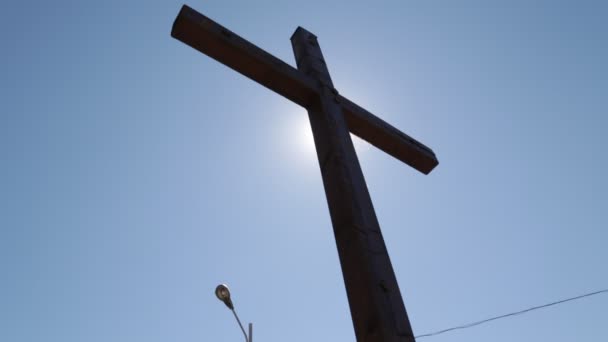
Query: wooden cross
374,298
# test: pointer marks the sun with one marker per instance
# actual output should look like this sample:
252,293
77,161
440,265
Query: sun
299,141
307,142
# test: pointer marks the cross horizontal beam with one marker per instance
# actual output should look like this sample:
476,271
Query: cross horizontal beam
226,47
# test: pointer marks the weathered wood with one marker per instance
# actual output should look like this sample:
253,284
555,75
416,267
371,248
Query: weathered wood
228,48
377,309
374,298
219,43
387,138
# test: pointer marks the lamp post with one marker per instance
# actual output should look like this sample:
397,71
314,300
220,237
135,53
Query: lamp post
223,293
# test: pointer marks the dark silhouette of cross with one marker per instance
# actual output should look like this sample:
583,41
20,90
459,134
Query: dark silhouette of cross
376,306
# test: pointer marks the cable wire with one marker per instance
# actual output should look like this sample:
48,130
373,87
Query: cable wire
469,325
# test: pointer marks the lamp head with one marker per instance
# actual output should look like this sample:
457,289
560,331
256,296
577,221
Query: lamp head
223,293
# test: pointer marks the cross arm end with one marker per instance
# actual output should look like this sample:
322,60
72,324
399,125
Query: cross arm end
387,138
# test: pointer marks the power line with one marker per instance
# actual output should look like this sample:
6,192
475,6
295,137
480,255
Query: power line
469,325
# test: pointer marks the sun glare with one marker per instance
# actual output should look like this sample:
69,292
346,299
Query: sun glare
298,142
307,143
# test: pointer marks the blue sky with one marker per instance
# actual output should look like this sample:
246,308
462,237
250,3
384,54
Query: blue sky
137,173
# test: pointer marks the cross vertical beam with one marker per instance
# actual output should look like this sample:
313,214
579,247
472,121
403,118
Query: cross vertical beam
376,306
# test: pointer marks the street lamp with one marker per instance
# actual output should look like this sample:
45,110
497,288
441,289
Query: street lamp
223,293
